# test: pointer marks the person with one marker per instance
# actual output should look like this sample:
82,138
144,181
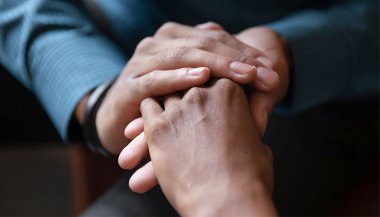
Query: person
326,50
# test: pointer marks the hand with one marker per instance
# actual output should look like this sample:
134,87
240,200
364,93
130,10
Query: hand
207,154
273,54
212,38
278,58
263,45
143,77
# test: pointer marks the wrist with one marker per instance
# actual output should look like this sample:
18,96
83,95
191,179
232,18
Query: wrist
89,126
80,109
240,198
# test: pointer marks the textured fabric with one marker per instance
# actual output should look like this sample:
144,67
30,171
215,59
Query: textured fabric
54,49
335,52
56,52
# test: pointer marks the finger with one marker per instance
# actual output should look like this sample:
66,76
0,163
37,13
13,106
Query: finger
266,79
210,26
261,105
134,128
176,30
150,109
171,100
134,152
143,179
220,66
203,43
159,83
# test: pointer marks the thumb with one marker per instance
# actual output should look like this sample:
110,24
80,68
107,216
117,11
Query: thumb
261,105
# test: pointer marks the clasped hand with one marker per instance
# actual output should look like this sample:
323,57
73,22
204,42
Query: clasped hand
176,58
217,51
204,147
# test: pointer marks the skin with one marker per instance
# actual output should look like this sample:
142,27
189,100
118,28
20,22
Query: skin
168,50
273,54
216,165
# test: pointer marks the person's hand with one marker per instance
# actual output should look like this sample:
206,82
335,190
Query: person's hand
206,152
278,58
143,76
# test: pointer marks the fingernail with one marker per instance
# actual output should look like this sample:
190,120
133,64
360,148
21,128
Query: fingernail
196,71
267,76
241,68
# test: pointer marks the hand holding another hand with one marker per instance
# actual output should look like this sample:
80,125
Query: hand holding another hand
261,101
160,66
206,152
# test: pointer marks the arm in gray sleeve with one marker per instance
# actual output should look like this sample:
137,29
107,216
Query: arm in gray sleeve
55,51
335,53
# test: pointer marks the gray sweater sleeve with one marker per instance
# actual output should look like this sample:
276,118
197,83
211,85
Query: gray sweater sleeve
335,53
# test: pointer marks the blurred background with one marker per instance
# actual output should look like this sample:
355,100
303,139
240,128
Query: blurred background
39,175
34,163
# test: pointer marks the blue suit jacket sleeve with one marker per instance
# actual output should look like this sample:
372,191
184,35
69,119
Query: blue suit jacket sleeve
55,51
335,52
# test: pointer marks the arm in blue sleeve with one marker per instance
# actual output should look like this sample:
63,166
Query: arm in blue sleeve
55,51
335,52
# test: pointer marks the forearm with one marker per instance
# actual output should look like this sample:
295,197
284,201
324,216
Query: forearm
55,51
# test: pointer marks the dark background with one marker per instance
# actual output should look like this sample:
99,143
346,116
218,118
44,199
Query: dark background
21,117
34,163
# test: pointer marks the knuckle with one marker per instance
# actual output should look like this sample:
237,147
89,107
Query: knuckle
174,114
148,80
157,126
204,42
211,60
145,44
160,123
144,103
227,85
179,52
228,90
166,56
216,62
221,36
195,95
167,28
175,53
